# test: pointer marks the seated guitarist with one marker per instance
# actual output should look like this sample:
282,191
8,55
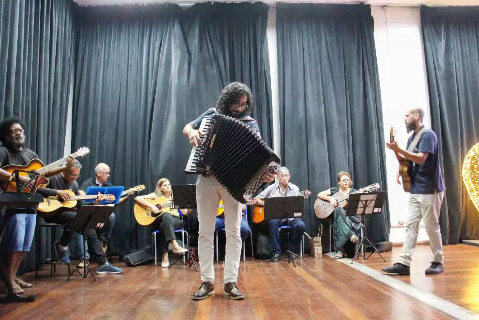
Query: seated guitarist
282,188
21,226
102,173
57,186
167,222
244,228
345,228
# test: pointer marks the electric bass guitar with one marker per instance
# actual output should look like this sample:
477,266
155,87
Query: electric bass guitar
258,212
36,168
145,216
51,205
324,208
403,165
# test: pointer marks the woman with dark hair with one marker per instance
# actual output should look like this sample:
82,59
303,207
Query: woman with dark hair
345,228
167,222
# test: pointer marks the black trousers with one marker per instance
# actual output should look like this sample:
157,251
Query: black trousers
167,225
65,218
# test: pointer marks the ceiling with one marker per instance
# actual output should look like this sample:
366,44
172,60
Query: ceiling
371,2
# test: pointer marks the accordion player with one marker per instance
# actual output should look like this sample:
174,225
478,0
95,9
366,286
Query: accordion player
234,154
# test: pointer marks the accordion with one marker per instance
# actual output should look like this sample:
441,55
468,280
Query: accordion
234,154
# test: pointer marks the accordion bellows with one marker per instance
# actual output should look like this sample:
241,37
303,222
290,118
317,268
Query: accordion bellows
234,154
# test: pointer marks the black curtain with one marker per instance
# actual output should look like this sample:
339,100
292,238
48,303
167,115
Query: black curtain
143,72
451,46
330,106
36,59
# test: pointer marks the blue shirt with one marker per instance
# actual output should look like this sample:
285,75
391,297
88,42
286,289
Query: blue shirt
426,178
246,119
275,190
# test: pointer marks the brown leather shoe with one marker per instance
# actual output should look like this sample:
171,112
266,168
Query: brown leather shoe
206,289
232,291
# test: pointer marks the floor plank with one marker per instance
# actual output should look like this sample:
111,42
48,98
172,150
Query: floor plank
319,288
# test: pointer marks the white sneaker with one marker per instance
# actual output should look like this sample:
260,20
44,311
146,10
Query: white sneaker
165,263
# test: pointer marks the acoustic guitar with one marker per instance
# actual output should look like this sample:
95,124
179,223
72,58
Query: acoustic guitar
145,216
37,168
134,189
403,165
324,208
51,205
258,212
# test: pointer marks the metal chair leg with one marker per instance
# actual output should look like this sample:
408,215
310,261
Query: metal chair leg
153,235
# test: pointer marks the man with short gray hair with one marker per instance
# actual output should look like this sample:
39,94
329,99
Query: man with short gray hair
282,188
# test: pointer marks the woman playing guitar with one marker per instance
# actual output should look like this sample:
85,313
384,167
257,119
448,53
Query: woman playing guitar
166,218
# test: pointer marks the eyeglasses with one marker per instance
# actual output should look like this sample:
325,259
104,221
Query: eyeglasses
76,176
20,130
106,173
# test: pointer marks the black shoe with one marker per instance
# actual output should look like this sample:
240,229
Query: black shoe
232,291
435,268
397,268
275,258
206,289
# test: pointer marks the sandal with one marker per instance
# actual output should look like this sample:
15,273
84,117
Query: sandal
16,290
353,238
22,283
339,255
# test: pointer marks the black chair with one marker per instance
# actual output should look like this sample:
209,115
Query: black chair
52,260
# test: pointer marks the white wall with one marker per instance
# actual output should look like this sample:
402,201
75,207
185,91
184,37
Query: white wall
402,76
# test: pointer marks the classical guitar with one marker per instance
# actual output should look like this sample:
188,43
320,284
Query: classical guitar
51,205
145,216
258,212
324,208
37,168
403,165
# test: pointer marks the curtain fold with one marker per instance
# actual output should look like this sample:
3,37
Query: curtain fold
451,37
143,72
330,107
37,44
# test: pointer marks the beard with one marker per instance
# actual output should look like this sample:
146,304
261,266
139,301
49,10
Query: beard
410,126
15,143
231,113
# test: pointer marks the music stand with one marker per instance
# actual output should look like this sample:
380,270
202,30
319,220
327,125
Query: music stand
284,208
364,204
86,218
184,197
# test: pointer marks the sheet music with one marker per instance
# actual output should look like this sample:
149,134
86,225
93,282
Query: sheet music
366,205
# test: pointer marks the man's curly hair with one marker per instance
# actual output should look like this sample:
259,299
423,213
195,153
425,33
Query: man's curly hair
231,94
5,127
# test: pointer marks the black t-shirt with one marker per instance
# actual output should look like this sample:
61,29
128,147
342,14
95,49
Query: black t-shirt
91,182
58,182
14,157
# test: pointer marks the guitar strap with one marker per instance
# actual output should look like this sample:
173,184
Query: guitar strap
415,141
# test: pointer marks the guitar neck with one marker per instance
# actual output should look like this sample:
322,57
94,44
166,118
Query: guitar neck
88,197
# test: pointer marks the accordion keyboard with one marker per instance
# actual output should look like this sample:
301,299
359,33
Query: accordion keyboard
195,152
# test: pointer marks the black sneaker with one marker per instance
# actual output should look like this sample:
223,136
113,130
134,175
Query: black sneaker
232,291
206,289
275,258
397,268
435,268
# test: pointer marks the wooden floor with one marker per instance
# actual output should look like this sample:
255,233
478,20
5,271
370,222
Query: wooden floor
320,288
459,283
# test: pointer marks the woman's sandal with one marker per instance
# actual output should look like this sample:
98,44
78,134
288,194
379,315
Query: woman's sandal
339,255
22,283
354,238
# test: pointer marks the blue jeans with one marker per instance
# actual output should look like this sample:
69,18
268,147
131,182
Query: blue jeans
19,232
298,227
244,229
